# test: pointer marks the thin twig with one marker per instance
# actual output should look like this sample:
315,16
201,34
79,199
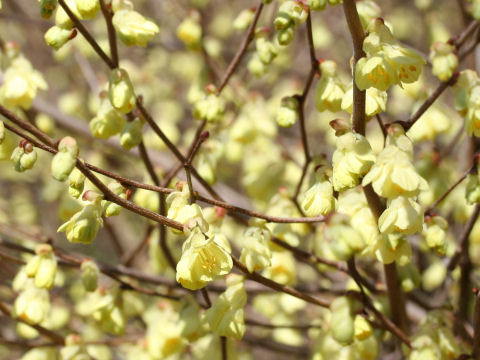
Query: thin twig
241,51
112,38
86,34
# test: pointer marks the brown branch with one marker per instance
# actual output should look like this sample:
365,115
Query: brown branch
356,31
241,51
112,38
279,287
86,34
476,326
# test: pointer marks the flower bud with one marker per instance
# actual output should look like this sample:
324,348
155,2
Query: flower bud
434,276
190,32
76,183
444,60
65,159
352,160
210,108
47,7
111,208
330,90
120,91
61,17
56,36
342,320
367,11
285,36
256,254
32,305
133,29
256,66
131,135
266,50
409,277
108,121
363,329
243,19
472,191
42,267
90,274
22,160
435,234
87,9
287,113
317,5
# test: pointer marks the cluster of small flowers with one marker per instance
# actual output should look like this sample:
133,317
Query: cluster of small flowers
132,28
266,52
290,15
387,62
393,176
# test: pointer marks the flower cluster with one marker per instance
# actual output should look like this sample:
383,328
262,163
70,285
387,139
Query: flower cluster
387,62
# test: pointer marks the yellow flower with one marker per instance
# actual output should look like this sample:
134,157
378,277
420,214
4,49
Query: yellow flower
403,215
444,60
319,199
375,71
330,90
225,316
433,122
352,159
42,267
120,91
393,247
65,160
88,9
21,82
387,62
256,253
282,269
84,225
108,311
133,29
108,121
32,305
190,32
472,119
202,260
375,102
394,175
287,113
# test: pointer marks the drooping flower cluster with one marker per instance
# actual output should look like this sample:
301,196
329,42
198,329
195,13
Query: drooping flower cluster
330,89
387,62
394,177
225,316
